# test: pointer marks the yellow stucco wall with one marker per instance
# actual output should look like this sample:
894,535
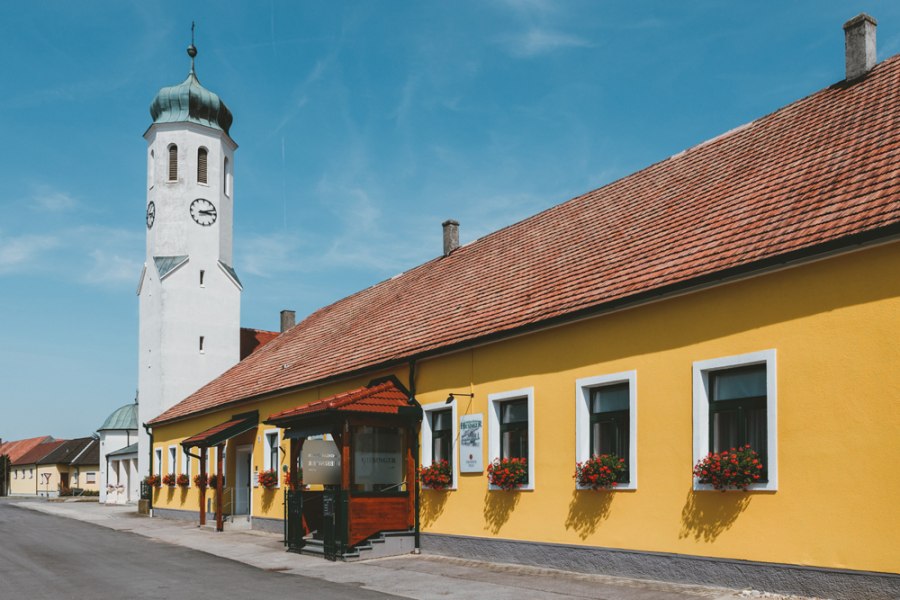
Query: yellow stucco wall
835,325
22,480
83,471
48,479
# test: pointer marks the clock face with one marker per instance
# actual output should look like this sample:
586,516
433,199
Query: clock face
151,214
203,212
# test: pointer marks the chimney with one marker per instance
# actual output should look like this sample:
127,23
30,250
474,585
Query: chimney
451,236
288,319
859,45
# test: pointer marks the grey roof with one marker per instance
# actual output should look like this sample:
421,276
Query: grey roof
167,264
90,454
231,272
132,449
124,417
67,452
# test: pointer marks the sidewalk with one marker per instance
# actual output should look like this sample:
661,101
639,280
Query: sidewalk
432,576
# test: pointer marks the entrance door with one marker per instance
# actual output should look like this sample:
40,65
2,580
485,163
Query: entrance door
242,480
63,481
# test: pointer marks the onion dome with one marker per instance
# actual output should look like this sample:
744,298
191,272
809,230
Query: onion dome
125,417
190,102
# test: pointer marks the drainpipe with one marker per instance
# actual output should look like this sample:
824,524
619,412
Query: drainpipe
149,431
412,396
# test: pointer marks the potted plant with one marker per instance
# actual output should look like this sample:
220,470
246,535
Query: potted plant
268,478
182,480
168,479
600,472
438,476
212,481
733,469
201,480
508,473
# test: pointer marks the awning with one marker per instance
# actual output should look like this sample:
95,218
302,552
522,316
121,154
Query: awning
217,434
129,451
380,397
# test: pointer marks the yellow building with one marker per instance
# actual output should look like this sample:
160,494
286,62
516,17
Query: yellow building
744,291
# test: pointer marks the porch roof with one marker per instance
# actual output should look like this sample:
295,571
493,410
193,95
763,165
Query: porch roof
217,434
385,398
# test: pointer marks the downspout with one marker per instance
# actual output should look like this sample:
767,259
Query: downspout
149,431
412,397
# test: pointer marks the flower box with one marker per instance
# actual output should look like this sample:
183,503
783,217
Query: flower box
508,473
201,480
437,476
734,469
168,479
182,480
600,472
268,478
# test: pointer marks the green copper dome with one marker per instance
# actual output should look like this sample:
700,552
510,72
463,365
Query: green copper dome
190,102
125,417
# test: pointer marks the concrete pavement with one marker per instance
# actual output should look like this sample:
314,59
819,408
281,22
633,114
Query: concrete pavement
422,577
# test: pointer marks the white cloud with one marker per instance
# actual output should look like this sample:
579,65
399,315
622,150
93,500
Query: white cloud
48,199
111,269
537,41
23,252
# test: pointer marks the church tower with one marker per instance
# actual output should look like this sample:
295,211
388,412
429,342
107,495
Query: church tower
189,293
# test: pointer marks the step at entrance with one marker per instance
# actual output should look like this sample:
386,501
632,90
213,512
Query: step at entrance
386,543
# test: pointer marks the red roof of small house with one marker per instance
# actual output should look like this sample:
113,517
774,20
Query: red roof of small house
384,398
38,453
817,176
254,339
18,448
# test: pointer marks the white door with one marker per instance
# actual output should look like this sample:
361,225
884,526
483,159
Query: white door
242,481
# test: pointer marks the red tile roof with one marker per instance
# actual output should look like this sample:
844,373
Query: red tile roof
237,425
38,453
819,174
254,339
18,448
384,398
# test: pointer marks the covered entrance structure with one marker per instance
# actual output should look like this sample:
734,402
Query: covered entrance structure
215,437
356,453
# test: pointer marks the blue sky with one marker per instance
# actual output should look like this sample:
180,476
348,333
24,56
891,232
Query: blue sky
361,126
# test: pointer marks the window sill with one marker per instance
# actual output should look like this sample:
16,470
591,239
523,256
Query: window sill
497,488
624,487
754,487
446,489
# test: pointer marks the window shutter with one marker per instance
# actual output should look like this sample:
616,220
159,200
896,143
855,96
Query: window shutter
173,163
201,165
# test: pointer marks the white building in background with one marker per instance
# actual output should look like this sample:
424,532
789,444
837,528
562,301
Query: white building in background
119,475
189,293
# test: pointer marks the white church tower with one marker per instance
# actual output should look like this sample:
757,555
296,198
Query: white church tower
190,295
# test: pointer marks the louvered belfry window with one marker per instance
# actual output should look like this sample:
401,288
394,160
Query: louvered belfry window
201,165
173,163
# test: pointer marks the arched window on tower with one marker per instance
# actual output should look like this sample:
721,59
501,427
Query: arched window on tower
201,165
150,166
226,178
173,163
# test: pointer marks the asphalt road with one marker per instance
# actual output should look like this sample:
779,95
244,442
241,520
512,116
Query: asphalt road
44,556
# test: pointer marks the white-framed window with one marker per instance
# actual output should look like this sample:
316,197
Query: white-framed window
30,473
511,428
736,403
15,474
606,420
158,462
173,456
185,464
439,435
272,447
202,153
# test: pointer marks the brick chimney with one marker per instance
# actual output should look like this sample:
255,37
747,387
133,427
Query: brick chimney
288,319
451,236
859,45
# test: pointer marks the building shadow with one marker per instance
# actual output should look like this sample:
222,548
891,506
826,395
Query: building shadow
587,509
706,515
431,505
498,506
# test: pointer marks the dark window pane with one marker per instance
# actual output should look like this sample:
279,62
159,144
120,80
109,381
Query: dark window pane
724,430
609,398
514,444
441,420
742,382
514,412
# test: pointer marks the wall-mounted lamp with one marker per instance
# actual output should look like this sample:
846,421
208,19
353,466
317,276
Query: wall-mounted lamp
454,394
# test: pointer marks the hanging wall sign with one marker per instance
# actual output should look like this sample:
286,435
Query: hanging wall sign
471,428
